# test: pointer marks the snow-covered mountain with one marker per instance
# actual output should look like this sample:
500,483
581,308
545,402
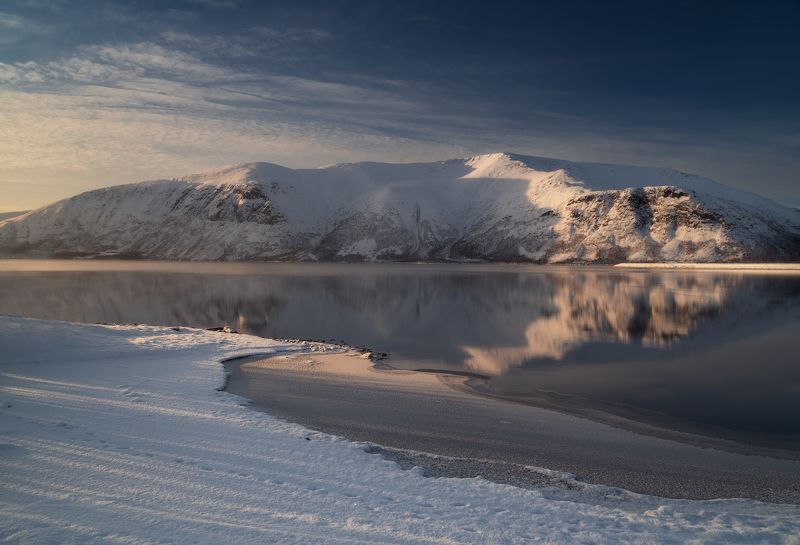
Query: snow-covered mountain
7,215
495,207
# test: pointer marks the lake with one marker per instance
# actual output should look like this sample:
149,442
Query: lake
708,352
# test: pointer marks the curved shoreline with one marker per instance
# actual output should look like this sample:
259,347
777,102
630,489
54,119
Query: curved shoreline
477,384
613,414
439,423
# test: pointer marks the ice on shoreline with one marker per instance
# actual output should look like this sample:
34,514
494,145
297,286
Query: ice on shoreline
118,434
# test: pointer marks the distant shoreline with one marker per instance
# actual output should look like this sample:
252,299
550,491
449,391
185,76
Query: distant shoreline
19,262
779,267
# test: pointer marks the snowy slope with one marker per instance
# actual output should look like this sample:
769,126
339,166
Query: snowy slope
496,207
117,434
9,215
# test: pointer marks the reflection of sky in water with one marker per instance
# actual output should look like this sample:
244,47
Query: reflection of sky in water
713,348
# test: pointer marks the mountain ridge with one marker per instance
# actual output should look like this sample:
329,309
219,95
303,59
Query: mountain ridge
491,207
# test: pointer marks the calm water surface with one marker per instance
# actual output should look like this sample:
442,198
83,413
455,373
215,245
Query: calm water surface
705,350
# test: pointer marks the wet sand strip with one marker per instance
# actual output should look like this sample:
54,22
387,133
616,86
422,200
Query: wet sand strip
434,421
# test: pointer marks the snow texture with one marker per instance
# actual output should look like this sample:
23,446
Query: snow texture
119,434
495,207
9,215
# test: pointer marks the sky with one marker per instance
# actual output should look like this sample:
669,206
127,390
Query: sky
94,94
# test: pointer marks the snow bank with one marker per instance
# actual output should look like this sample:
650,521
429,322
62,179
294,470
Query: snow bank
118,434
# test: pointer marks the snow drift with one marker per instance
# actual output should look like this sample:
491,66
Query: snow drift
118,434
495,207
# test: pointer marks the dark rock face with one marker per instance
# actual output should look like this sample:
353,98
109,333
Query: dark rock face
225,203
239,204
644,220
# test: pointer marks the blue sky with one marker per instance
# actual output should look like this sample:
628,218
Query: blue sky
100,93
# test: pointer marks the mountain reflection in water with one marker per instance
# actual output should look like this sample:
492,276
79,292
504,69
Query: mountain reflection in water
716,349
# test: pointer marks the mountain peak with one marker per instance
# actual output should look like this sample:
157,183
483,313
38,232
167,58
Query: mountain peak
495,207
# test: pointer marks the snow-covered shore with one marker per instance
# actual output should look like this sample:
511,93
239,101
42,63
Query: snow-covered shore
119,434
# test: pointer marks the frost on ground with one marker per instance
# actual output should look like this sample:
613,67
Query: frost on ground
119,434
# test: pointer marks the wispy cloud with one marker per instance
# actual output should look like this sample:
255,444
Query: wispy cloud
119,113
15,28
112,107
115,114
104,63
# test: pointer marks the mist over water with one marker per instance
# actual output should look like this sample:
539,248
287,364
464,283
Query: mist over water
712,349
